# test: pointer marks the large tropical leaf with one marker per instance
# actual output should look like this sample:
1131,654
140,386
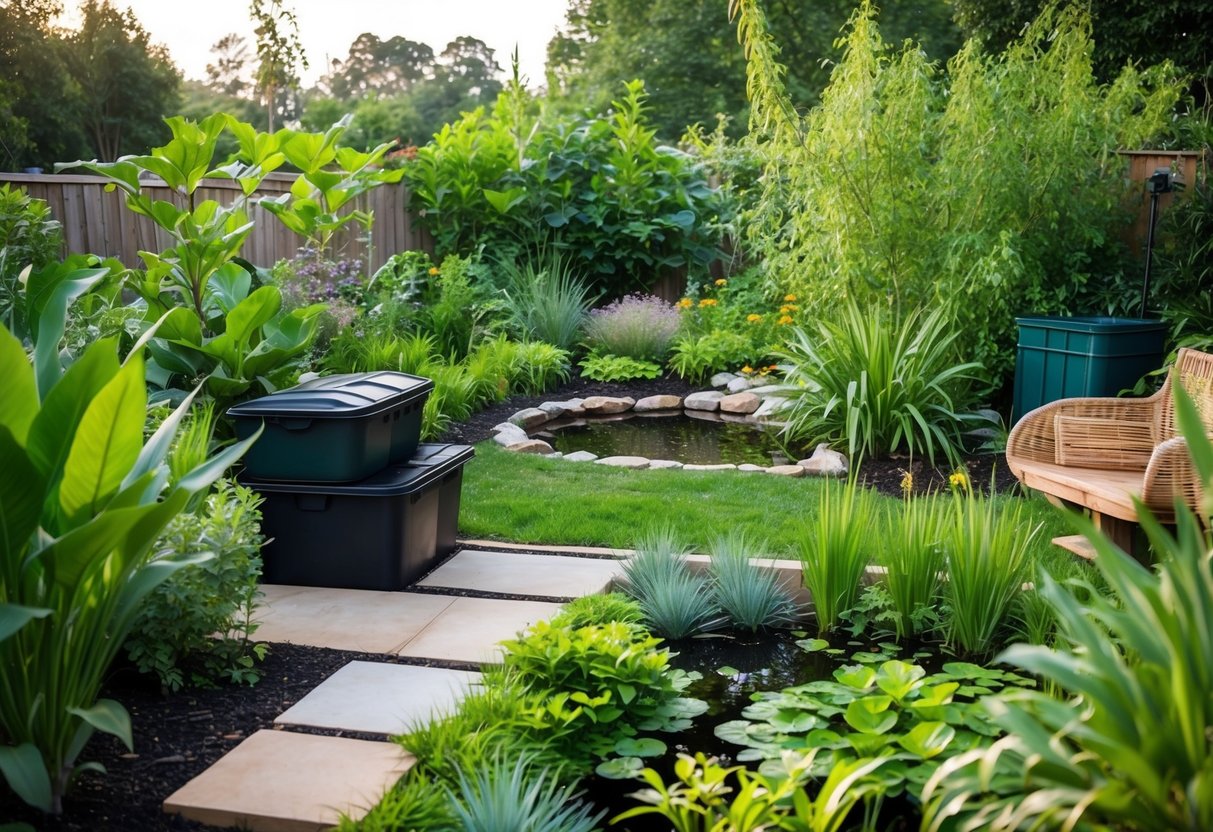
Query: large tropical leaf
22,492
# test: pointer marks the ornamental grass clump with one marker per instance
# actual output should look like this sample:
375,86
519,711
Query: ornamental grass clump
640,327
833,553
515,794
752,597
913,558
676,602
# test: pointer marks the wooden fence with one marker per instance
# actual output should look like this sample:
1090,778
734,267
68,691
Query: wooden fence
97,221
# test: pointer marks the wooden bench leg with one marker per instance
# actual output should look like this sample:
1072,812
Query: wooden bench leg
1120,532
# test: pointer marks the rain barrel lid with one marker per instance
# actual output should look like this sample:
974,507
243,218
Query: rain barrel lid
344,396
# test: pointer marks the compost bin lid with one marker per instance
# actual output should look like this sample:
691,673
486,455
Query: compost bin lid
1092,323
392,481
430,454
344,396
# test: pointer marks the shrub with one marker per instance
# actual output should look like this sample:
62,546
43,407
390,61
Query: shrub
197,626
696,358
540,367
311,278
598,609
878,384
600,367
29,237
640,327
546,300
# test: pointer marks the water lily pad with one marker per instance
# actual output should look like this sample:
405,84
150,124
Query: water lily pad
856,677
898,678
641,747
813,645
871,715
794,722
728,670
928,739
620,768
868,658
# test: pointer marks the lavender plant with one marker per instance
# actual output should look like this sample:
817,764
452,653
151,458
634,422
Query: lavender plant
635,326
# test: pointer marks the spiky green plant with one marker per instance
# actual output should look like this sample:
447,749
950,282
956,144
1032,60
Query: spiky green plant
752,597
547,300
913,559
510,796
836,549
676,602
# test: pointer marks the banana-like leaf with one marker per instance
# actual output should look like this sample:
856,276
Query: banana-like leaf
107,443
108,717
19,404
49,309
159,443
14,616
22,493
23,768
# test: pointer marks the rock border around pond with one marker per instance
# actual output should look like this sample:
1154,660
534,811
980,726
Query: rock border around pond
741,399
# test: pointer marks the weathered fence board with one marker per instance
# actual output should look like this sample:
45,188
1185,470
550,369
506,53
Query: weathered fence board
96,221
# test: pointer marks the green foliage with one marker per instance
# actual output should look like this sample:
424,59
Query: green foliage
698,358
728,324
541,367
505,797
604,367
996,190
751,597
1184,269
988,562
545,300
84,498
279,52
29,238
832,550
878,384
601,192
454,307
415,804
1129,746
676,601
639,327
898,712
591,610
196,627
913,556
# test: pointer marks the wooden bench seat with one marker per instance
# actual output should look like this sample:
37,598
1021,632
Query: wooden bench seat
1102,454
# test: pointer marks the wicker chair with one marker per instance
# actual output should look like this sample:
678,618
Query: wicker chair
1099,453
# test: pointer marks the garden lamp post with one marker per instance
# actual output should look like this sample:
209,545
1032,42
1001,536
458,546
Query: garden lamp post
1162,181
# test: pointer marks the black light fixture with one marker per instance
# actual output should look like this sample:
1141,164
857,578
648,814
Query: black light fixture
1162,181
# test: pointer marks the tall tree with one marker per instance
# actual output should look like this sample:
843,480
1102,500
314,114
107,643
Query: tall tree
127,84
686,52
230,72
279,52
380,67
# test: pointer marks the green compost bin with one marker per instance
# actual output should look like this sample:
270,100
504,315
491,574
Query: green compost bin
1063,357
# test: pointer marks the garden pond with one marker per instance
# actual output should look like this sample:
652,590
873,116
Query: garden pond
703,439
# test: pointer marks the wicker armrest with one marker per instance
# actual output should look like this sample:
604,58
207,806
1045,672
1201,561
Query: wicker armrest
1102,442
1034,437
1169,475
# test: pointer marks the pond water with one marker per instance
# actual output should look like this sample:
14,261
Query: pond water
702,440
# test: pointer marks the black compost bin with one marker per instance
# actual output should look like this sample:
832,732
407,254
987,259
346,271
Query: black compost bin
1063,358
449,492
339,428
380,533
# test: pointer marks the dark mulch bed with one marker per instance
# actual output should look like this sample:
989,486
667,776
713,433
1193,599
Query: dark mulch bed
179,736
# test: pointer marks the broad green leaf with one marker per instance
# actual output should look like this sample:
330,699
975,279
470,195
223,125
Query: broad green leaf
108,717
252,313
813,645
159,443
22,494
19,404
856,676
640,747
26,774
728,671
620,768
106,445
871,715
50,313
14,616
503,201
182,325
927,739
72,554
898,678
229,285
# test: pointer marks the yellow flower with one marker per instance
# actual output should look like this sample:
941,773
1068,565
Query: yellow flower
789,298
753,318
789,307
959,479
433,270
747,369
708,302
685,303
907,483
721,282
784,320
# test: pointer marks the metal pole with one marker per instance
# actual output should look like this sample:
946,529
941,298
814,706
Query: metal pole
1145,286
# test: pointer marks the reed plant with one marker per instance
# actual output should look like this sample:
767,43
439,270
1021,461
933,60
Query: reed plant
834,551
676,602
913,559
987,544
752,597
546,300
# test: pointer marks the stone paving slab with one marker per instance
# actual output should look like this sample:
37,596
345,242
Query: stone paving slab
512,573
380,698
538,547
345,619
470,629
278,781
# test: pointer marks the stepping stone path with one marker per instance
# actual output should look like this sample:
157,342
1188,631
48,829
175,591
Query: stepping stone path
739,398
287,781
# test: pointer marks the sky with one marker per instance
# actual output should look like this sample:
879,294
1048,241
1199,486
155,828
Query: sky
328,27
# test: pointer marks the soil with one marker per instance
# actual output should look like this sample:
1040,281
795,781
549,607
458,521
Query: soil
178,736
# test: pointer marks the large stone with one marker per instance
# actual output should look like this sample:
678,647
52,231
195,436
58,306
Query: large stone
571,407
509,434
708,400
722,379
739,384
650,403
724,466
786,470
740,403
634,462
581,456
556,410
529,418
825,462
531,446
750,468
657,464
607,404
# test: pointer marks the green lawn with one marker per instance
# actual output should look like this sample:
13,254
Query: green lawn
528,499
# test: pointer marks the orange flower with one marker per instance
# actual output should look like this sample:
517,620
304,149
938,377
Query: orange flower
747,369
433,270
753,318
708,302
788,307
685,303
785,320
789,298
721,282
